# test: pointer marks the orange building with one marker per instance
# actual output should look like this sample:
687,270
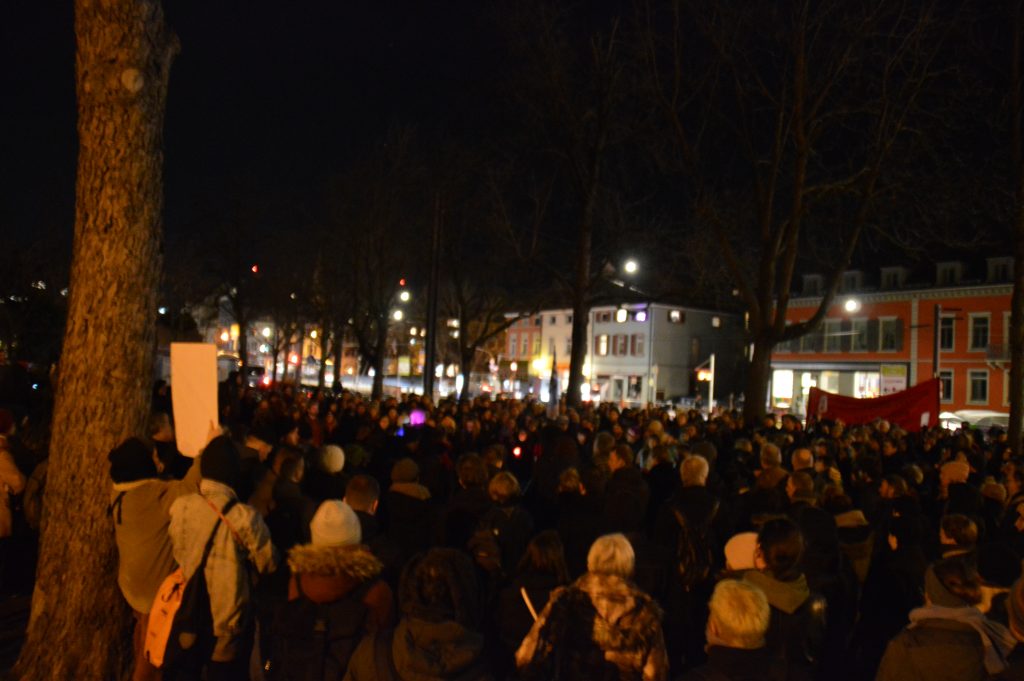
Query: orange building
882,339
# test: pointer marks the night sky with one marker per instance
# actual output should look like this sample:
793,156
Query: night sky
265,97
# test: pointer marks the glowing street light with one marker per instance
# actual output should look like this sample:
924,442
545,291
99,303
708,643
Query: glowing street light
312,334
397,315
266,332
225,336
631,267
404,296
851,305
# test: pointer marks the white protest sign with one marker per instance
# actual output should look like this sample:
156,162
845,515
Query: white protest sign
194,391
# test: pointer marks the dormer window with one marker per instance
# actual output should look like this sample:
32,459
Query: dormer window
1000,270
852,281
948,273
893,278
813,284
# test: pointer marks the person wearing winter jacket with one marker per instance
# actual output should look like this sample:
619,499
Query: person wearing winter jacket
797,625
438,636
948,638
335,597
140,504
601,626
737,625
241,545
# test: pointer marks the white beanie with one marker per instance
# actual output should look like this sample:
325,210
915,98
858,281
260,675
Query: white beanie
335,524
332,458
741,551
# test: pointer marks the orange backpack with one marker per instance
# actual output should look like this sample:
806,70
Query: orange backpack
161,617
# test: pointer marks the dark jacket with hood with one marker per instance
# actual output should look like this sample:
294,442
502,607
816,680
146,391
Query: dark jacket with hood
737,664
335,597
797,621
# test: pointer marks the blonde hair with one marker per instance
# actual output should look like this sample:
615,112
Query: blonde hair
503,487
611,554
694,470
740,614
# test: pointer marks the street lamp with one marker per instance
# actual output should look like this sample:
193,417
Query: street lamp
404,296
852,305
630,267
397,315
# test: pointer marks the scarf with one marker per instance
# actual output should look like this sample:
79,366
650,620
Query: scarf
997,639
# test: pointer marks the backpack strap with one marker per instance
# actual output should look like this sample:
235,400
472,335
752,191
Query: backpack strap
384,659
115,505
213,533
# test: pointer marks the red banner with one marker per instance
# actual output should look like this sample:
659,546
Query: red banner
910,409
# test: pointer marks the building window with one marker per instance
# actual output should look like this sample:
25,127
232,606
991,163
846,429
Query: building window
947,334
858,335
602,345
977,386
833,336
979,332
554,320
890,337
851,281
948,273
604,317
716,322
636,345
513,345
676,316
568,319
620,347
526,346
621,315
807,342
536,344
946,381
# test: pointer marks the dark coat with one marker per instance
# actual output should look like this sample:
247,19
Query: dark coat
736,664
410,518
935,650
625,501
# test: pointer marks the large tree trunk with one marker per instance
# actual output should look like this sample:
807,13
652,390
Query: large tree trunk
466,362
580,307
756,391
339,351
79,626
1016,392
325,339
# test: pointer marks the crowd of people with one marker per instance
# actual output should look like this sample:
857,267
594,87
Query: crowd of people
344,538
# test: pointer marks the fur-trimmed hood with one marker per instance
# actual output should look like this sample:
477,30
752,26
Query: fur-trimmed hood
335,561
326,573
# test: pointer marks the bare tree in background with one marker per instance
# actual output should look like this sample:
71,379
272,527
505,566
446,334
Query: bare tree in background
786,121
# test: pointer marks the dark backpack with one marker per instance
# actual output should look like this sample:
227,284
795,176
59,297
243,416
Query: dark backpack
315,641
191,638
694,557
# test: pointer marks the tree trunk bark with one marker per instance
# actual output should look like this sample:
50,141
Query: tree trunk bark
321,375
580,309
466,362
339,350
379,357
757,381
79,626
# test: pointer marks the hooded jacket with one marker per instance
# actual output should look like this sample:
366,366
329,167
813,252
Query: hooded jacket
797,624
601,626
141,513
335,597
327,574
423,650
227,569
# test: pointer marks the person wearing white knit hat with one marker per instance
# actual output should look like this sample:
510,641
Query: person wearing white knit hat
335,524
337,572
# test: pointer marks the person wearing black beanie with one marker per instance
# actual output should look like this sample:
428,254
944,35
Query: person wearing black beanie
140,504
131,460
221,461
